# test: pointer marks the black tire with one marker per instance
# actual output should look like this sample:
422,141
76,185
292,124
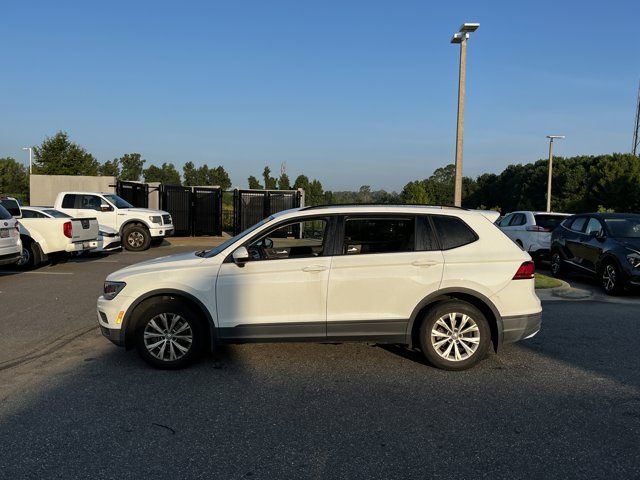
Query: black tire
30,256
556,265
432,332
611,278
158,357
136,238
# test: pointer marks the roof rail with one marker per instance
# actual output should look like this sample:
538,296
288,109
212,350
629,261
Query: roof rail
328,205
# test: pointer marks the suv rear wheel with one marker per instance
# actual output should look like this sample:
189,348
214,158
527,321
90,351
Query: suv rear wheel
455,335
169,334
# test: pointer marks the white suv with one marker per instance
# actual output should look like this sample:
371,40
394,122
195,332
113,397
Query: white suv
10,243
442,280
532,230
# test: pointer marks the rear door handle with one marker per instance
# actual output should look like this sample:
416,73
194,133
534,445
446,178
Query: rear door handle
314,268
424,263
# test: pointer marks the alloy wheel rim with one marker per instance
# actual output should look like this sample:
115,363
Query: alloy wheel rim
609,278
455,337
24,259
168,337
555,263
135,239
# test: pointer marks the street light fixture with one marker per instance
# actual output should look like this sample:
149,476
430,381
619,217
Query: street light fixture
551,139
30,156
461,38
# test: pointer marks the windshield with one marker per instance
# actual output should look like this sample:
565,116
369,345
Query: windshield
216,250
55,213
624,227
117,201
4,214
549,221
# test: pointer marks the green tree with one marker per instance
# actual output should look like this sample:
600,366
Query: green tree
269,181
191,175
302,181
166,174
415,193
110,168
283,182
204,176
57,155
219,176
131,165
14,178
254,183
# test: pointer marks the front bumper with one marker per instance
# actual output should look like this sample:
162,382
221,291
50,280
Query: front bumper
110,315
520,327
163,231
116,336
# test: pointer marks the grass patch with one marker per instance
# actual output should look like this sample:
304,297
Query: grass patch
542,281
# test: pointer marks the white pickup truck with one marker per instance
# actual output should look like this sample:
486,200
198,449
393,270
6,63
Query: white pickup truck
138,227
42,237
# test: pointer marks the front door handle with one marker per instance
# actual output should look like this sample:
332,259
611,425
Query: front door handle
314,268
424,263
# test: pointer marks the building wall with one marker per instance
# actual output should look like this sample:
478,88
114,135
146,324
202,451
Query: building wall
45,188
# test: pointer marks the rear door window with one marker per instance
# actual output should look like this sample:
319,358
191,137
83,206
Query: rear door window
378,235
32,214
578,224
505,221
517,220
453,232
550,222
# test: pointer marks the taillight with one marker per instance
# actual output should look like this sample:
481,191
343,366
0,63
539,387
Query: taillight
17,227
537,228
67,228
526,271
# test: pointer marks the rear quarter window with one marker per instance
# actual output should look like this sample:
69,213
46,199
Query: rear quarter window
453,232
4,214
549,221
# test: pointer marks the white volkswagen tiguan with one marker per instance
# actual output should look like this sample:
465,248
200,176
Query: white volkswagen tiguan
442,280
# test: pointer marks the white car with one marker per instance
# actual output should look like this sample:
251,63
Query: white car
138,227
442,280
43,236
531,231
108,238
10,243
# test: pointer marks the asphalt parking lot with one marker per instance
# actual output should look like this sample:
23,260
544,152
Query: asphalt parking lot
563,404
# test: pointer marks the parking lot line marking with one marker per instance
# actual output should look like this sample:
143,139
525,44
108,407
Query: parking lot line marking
11,272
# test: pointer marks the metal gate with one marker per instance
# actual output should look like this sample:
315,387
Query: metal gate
207,211
251,206
136,193
194,210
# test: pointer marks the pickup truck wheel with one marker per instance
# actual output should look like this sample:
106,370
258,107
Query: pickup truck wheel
136,238
454,335
169,335
29,256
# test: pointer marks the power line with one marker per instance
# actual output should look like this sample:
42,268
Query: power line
636,129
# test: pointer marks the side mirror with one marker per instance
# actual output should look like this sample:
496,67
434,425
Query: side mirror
105,208
240,256
600,235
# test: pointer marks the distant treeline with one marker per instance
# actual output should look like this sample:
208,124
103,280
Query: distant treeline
580,184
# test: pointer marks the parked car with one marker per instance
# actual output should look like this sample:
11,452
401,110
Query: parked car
42,237
138,227
532,230
10,243
442,280
108,238
606,245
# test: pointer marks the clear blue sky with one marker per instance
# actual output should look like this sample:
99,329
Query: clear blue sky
350,92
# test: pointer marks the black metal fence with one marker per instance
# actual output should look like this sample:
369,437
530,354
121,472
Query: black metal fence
251,206
194,210
136,193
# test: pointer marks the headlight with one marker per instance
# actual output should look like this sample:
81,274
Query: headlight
155,219
111,289
634,260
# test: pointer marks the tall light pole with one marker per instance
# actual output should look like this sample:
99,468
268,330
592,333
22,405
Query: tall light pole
461,37
551,138
30,156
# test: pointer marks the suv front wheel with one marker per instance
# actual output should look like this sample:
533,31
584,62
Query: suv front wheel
169,334
455,335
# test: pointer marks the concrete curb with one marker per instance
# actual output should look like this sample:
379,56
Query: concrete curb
564,291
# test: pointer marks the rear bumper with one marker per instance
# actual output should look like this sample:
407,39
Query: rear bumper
10,258
520,327
81,246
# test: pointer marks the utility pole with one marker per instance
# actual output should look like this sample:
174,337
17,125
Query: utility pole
30,156
461,38
551,138
636,128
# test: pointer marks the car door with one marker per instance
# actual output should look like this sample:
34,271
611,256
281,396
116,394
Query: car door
593,242
386,266
281,292
575,239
